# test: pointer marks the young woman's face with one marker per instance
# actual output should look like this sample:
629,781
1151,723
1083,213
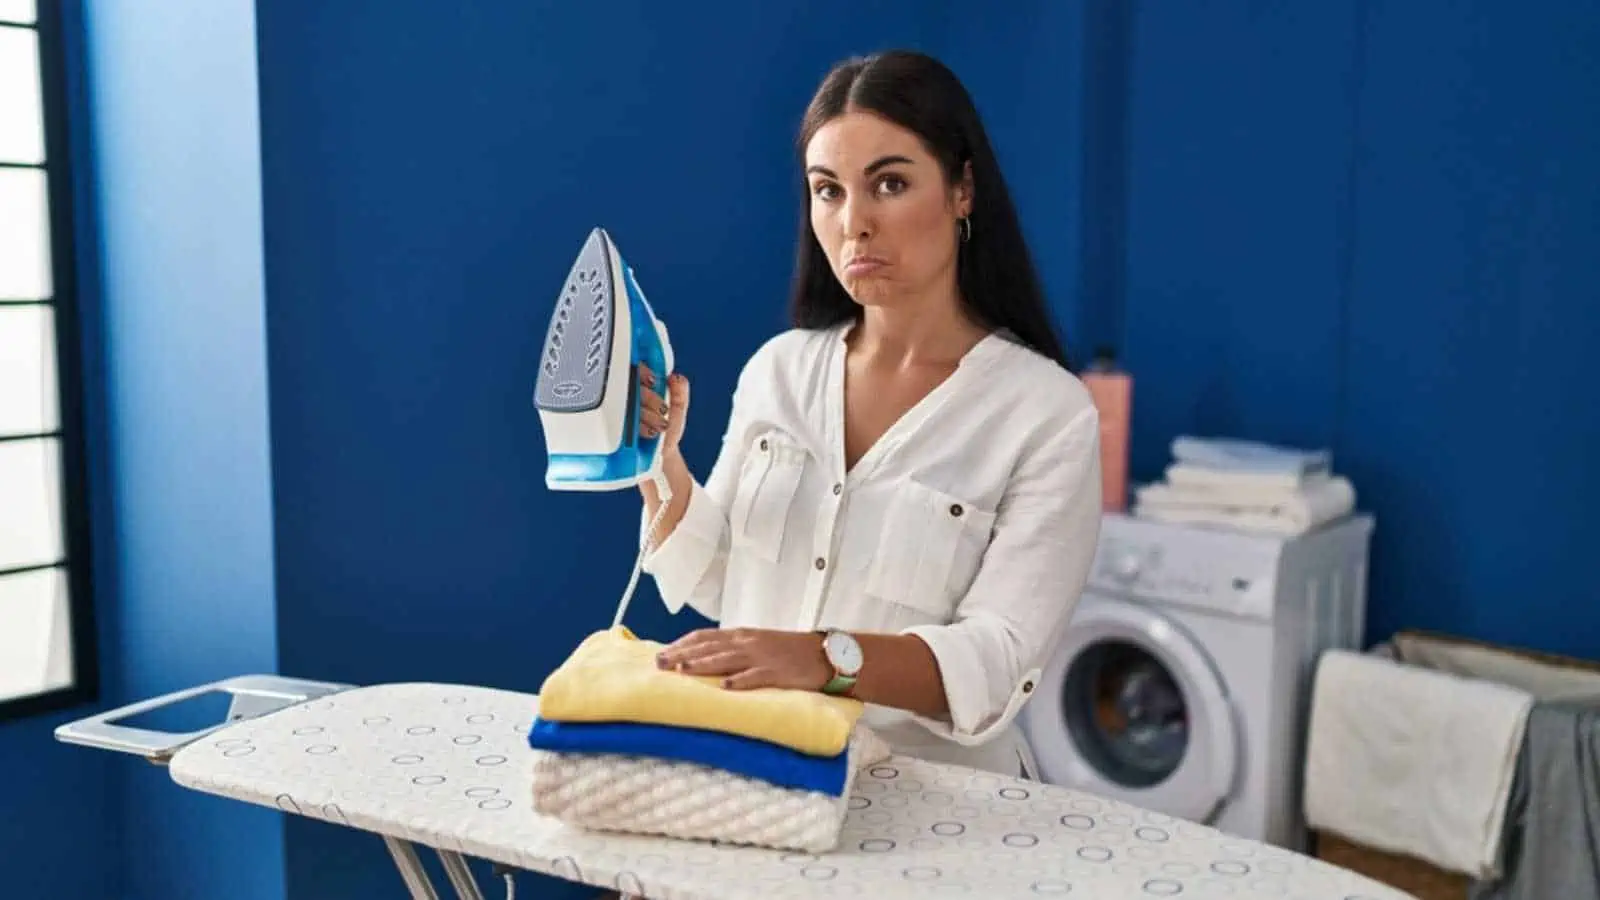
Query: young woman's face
882,211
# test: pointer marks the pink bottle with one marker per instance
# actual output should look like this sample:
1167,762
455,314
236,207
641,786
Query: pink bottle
1112,391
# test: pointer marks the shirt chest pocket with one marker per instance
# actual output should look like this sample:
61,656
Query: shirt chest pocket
768,482
929,549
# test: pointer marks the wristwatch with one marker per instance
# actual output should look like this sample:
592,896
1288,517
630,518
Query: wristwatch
843,653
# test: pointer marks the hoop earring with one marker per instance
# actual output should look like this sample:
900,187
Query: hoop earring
966,229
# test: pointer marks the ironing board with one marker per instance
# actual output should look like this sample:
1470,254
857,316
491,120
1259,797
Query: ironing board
447,767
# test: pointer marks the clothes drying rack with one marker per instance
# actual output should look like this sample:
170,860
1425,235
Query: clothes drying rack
448,768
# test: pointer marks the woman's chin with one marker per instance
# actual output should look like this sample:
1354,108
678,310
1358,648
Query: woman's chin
871,292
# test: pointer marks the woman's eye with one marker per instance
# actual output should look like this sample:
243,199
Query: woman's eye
825,191
892,184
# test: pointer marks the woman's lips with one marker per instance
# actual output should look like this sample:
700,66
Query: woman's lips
864,265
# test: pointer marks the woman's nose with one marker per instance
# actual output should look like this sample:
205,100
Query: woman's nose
857,220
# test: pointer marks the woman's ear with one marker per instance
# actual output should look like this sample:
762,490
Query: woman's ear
964,191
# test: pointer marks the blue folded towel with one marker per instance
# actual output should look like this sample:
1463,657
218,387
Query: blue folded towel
734,753
1236,455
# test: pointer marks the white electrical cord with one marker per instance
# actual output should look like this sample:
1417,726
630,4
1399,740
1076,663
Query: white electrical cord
645,545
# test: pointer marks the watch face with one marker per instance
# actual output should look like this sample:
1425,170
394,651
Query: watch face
843,652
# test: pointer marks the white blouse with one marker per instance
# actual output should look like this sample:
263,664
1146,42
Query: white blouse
971,523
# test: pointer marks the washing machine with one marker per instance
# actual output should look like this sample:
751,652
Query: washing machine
1182,684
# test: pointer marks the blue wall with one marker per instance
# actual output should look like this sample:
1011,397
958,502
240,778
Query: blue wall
1374,227
427,179
61,816
1470,367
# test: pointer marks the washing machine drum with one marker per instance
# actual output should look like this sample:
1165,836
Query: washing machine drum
1130,707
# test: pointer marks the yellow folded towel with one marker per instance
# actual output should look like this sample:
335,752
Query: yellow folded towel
613,677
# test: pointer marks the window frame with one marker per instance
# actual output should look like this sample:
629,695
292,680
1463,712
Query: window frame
77,563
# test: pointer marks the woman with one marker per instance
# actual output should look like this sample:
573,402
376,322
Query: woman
907,499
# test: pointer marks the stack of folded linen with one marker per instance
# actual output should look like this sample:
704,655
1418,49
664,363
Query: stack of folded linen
624,746
1247,485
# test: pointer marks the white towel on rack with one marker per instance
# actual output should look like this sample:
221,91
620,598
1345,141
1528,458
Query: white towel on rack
1253,508
1412,761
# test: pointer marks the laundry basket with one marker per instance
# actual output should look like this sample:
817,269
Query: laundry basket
1544,676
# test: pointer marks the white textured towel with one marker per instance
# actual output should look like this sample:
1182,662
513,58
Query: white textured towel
648,795
1254,508
1412,761
1193,476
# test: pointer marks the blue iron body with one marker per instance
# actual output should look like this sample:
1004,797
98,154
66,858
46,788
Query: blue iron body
587,392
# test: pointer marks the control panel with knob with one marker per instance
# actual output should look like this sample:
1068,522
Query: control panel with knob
1158,562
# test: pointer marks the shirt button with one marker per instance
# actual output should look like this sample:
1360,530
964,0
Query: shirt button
955,510
821,563
763,443
837,489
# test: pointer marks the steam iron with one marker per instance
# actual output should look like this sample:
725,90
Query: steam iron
587,391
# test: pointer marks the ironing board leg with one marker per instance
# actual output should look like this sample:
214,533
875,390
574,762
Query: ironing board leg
416,877
455,868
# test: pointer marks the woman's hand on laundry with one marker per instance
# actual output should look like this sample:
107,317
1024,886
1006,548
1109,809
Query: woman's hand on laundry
748,658
663,408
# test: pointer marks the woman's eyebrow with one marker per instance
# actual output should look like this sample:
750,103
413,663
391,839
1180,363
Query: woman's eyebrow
873,166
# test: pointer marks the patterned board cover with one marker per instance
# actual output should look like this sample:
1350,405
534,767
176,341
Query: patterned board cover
449,767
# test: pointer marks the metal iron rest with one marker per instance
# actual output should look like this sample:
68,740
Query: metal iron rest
254,696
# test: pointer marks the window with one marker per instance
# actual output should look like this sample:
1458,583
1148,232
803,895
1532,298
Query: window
47,647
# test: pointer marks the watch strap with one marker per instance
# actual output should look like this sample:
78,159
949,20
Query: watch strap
838,684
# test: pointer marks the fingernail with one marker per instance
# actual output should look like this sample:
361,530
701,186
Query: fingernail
727,682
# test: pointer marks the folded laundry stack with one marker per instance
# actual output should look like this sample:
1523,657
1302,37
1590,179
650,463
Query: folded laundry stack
624,746
1247,485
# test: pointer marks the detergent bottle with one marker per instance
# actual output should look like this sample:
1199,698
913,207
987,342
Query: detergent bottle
1112,392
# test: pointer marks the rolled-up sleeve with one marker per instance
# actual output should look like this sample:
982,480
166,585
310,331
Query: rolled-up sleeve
1031,578
690,564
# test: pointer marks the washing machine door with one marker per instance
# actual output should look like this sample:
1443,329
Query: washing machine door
1131,707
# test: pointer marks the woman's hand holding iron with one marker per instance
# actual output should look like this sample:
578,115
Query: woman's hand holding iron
746,658
664,417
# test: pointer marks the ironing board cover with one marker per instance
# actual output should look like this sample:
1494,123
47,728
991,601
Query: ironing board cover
449,767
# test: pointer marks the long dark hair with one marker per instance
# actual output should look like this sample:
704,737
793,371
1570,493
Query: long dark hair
995,274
